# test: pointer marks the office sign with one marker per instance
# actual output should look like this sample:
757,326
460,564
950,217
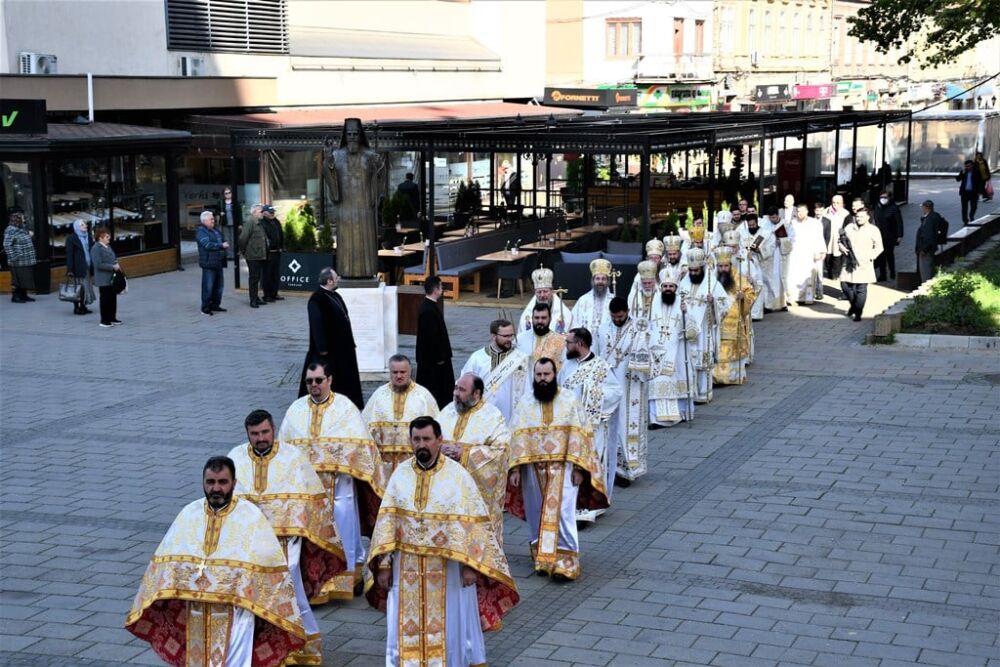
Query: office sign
595,98
23,117
778,92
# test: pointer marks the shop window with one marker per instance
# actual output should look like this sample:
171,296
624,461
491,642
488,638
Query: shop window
78,190
139,202
15,190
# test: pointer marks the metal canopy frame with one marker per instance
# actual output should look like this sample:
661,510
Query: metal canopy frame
587,135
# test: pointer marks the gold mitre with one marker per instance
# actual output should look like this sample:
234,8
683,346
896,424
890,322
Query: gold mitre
731,238
654,247
696,258
601,267
647,270
697,234
542,278
723,255
672,243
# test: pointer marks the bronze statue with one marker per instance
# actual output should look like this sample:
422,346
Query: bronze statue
354,174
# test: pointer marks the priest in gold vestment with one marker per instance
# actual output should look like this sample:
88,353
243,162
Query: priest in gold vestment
392,407
476,435
217,592
442,577
328,428
735,327
554,470
541,341
280,482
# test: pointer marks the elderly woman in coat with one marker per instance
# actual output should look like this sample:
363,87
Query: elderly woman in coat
860,244
19,247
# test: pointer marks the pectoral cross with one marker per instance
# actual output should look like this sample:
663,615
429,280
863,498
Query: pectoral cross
201,568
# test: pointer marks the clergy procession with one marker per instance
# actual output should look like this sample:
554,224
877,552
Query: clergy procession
401,499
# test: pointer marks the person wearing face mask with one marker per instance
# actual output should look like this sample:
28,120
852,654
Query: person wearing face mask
623,342
889,221
554,471
865,244
218,583
596,387
542,341
442,577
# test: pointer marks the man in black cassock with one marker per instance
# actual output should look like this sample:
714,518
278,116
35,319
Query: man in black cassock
434,370
331,340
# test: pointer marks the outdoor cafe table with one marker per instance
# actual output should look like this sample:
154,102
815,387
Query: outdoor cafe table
505,256
395,261
548,245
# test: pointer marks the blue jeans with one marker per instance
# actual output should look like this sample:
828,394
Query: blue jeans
212,283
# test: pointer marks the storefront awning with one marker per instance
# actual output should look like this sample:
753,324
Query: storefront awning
335,116
95,137
369,44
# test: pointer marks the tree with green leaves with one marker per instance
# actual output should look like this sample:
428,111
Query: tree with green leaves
932,32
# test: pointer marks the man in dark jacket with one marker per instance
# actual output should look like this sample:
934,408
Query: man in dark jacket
331,339
212,260
970,186
227,218
434,370
889,221
275,243
253,246
933,232
411,191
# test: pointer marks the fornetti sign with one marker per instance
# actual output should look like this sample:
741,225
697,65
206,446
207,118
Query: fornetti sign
22,117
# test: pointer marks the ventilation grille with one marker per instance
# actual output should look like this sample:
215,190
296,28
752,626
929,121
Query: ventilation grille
229,26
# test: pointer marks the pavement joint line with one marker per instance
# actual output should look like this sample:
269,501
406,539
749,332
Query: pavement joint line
97,522
783,489
810,596
624,543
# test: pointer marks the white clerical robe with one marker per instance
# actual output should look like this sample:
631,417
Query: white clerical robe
671,373
626,349
786,216
768,257
506,377
703,336
599,392
807,245
591,311
749,269
562,316
388,415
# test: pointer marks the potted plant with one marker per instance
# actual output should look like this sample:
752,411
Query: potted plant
308,247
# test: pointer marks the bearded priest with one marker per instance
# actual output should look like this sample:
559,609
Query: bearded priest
218,591
705,302
280,482
328,428
476,435
542,341
591,309
562,317
671,371
442,577
554,470
392,407
734,326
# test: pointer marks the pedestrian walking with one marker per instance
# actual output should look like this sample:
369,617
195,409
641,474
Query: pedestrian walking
105,264
19,247
932,233
434,369
212,260
889,221
253,246
860,244
970,187
275,244
983,167
78,265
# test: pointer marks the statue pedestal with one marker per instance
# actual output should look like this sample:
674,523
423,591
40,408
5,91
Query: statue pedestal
373,312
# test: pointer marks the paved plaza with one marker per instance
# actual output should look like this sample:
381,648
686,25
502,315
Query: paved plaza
841,509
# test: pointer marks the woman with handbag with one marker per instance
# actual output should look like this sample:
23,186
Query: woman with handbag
105,264
78,266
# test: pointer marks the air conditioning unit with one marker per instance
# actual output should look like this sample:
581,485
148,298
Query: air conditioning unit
191,66
38,63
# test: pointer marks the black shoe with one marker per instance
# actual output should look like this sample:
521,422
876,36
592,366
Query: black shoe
117,323
218,309
857,318
359,589
622,482
277,298
892,276
784,309
819,297
655,427
206,311
16,298
86,311
26,298
558,577
262,302
268,299
541,573
768,310
253,304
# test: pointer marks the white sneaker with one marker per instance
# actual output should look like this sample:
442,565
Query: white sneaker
105,326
